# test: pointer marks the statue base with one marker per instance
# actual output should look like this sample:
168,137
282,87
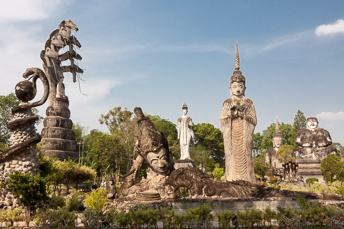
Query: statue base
309,168
186,163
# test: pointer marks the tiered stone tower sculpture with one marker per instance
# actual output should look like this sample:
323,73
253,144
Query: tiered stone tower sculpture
238,120
58,138
313,144
22,155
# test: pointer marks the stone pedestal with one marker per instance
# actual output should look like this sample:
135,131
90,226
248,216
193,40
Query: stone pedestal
58,138
309,168
183,164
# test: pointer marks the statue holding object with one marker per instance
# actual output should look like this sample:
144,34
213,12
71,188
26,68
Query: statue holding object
238,120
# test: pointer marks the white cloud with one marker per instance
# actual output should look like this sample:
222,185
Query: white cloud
330,29
331,116
24,10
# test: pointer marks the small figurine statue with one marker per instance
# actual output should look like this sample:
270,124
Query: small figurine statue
314,142
185,133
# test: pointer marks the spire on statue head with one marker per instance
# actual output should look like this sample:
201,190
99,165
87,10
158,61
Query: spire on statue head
277,130
237,74
184,106
237,58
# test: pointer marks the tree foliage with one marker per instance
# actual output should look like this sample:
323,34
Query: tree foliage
106,153
332,168
169,130
299,121
286,153
6,104
210,144
67,173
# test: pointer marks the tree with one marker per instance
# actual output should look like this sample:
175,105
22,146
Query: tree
68,173
106,153
260,166
286,153
169,130
218,172
210,141
117,119
122,126
257,143
265,140
6,104
332,168
29,189
299,121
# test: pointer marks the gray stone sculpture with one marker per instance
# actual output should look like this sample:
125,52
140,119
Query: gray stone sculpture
185,133
313,144
238,120
58,138
151,148
22,155
271,157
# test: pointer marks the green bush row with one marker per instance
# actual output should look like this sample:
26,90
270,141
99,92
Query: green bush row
309,215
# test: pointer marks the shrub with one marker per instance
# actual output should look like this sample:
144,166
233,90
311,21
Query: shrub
168,217
202,215
60,219
218,173
56,202
96,199
269,215
143,216
123,220
12,215
331,167
75,202
225,218
29,189
65,172
310,181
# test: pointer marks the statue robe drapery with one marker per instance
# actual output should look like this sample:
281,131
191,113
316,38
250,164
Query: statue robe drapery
238,128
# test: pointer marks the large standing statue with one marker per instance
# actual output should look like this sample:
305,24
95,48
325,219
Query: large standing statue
185,133
58,138
314,142
238,120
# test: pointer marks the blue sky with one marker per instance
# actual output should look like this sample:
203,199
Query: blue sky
159,54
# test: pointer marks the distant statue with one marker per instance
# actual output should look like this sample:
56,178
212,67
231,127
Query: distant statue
185,133
314,142
238,120
271,157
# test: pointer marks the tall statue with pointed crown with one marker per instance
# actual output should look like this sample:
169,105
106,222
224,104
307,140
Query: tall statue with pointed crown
238,120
